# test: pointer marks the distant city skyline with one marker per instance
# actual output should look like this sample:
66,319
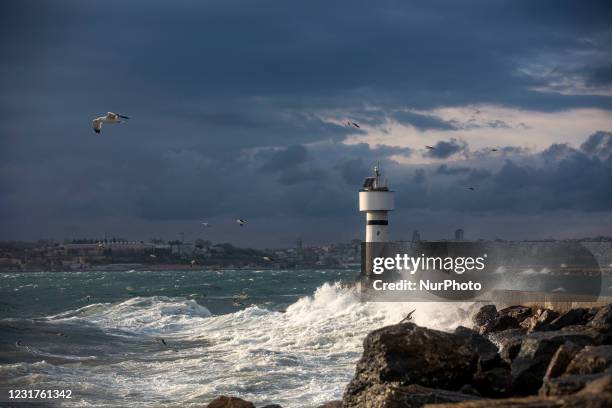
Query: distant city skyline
243,111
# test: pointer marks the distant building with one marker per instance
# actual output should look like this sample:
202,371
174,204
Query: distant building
459,235
416,237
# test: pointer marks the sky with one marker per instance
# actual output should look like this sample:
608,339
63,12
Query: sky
239,109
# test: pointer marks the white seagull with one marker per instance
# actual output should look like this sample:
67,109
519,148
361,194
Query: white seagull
241,222
110,118
205,224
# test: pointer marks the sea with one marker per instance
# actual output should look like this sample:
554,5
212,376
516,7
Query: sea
183,337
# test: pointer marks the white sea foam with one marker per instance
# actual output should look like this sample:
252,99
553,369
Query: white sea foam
299,358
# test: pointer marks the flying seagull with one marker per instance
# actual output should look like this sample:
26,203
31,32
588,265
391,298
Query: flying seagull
241,222
429,147
110,118
408,317
267,258
353,124
471,188
205,224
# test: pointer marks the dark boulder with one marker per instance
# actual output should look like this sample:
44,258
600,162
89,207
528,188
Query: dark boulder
496,382
569,384
485,317
571,317
603,317
487,351
580,400
509,343
229,402
591,360
561,359
539,319
537,350
519,313
392,395
408,354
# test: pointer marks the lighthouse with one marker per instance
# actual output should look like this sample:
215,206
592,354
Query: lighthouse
376,200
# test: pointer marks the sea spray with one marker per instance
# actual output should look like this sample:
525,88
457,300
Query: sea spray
300,357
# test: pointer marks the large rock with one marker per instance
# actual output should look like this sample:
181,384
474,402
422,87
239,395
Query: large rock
519,313
603,316
392,395
488,356
561,359
488,319
539,319
591,360
581,400
569,384
229,402
537,350
496,382
485,317
408,354
509,343
572,317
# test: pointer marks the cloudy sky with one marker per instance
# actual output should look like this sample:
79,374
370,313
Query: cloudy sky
239,109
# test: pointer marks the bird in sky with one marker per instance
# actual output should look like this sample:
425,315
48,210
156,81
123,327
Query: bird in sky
205,224
241,222
267,258
110,118
408,317
152,256
353,124
471,188
493,150
429,147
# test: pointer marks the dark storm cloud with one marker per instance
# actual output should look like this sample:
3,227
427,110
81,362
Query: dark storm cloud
451,171
444,149
558,178
423,122
598,144
229,101
291,156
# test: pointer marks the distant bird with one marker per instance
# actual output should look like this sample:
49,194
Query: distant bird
267,258
205,224
60,334
429,147
408,317
18,343
241,222
162,341
471,188
353,124
493,150
193,262
152,256
110,118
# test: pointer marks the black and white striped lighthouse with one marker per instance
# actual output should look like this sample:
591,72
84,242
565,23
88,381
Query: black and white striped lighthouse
376,200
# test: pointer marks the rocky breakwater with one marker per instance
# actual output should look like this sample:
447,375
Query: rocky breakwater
514,357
